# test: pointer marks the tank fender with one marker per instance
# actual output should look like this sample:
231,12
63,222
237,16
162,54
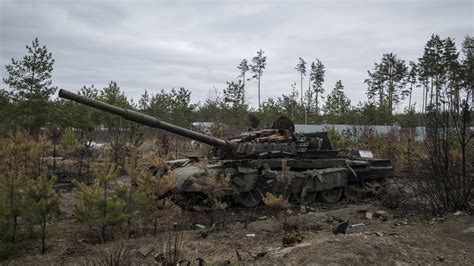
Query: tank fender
322,179
333,177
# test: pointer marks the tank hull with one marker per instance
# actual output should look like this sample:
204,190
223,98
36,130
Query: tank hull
295,178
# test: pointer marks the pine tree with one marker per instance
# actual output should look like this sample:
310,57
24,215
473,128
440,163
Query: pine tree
412,78
12,187
99,206
173,106
431,71
112,94
468,67
17,156
316,80
387,81
144,102
41,204
30,81
258,65
234,95
289,104
128,193
152,191
453,74
375,87
244,68
337,103
301,68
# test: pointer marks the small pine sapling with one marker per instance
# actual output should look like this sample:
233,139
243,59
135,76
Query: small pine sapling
41,204
98,205
132,172
151,196
15,158
68,140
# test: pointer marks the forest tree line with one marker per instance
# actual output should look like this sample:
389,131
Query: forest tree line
442,73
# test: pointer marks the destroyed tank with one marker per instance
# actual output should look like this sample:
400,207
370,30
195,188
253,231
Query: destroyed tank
276,160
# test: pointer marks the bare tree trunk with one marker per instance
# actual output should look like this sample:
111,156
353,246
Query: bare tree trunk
54,158
43,234
317,106
259,108
431,93
409,97
243,86
301,81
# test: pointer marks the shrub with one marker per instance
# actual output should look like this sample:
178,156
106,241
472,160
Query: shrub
69,140
445,181
41,204
99,205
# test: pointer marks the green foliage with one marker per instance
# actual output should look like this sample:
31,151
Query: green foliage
234,109
68,140
41,204
12,194
172,106
234,96
243,67
151,196
387,81
112,94
30,81
270,109
23,202
337,103
144,102
467,65
129,194
290,106
7,112
431,69
100,205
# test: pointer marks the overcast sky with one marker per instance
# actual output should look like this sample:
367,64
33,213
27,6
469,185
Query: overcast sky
158,45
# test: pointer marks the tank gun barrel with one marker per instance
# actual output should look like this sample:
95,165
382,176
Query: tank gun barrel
140,118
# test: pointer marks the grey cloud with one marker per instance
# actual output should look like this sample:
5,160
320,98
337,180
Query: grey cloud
198,44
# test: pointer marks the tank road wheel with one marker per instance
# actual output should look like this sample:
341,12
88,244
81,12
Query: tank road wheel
305,197
248,199
331,195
